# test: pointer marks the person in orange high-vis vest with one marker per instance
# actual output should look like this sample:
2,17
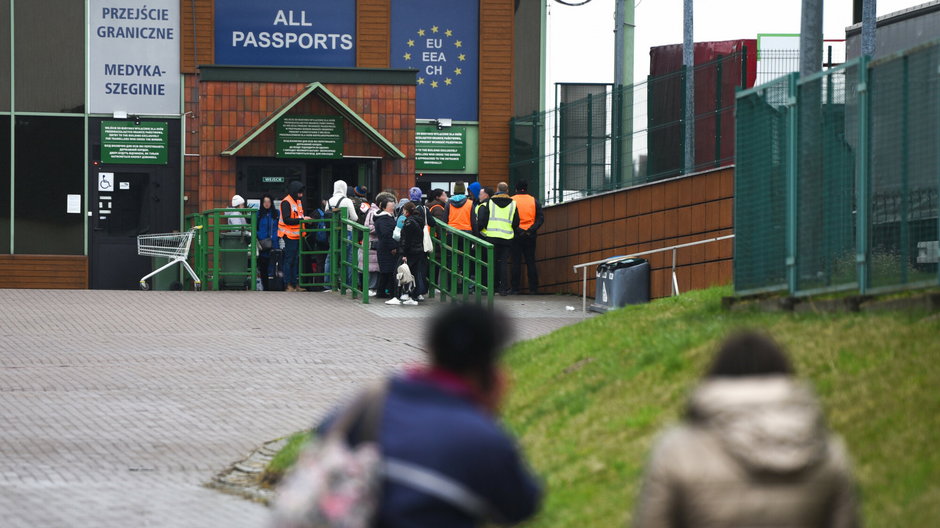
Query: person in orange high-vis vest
288,228
523,244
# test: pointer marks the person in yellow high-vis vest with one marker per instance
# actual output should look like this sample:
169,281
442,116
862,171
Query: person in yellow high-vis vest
501,220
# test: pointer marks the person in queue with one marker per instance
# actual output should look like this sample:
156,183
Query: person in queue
412,247
458,209
267,234
500,219
386,249
292,212
523,244
437,200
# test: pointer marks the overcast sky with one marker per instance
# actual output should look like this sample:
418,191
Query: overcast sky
581,39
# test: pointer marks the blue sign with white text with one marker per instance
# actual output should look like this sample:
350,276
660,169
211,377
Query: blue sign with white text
285,32
439,38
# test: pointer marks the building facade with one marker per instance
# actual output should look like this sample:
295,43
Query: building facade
119,118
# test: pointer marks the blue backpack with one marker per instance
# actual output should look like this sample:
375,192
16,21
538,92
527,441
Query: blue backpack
323,236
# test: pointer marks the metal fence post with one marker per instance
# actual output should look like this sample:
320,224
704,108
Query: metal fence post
590,140
862,182
905,226
792,174
718,110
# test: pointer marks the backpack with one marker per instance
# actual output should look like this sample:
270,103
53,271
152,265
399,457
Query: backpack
322,236
333,484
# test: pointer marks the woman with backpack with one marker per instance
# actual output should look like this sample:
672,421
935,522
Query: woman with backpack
268,217
412,246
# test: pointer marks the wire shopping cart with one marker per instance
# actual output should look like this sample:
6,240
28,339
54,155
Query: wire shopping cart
174,246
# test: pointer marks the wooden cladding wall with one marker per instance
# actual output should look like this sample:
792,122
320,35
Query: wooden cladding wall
372,33
59,272
496,89
654,216
197,17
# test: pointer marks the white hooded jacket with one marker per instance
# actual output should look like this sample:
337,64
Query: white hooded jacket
753,451
339,199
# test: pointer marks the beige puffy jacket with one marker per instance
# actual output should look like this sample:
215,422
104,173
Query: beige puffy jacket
753,452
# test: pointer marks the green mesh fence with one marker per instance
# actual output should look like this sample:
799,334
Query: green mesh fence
852,201
760,188
904,169
825,185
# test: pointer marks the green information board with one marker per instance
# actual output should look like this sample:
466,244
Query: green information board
124,142
440,149
309,137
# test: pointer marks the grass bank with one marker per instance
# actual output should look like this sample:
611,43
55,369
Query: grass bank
588,400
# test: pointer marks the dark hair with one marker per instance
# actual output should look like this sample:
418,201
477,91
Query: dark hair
489,191
522,185
749,353
467,339
435,194
261,207
383,202
409,207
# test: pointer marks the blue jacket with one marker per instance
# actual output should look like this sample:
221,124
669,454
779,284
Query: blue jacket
267,224
426,425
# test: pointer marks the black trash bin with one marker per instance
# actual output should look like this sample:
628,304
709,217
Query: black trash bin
234,261
621,281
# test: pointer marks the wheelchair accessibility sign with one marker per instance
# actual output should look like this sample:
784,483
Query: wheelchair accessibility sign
105,182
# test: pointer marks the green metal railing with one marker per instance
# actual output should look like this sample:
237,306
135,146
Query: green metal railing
461,266
348,250
837,179
309,250
209,249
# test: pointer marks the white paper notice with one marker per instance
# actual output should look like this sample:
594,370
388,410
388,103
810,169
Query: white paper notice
74,204
125,185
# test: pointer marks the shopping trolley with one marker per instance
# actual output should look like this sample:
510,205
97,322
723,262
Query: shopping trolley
174,246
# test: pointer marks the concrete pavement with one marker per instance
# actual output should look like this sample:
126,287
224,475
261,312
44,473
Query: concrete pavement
117,406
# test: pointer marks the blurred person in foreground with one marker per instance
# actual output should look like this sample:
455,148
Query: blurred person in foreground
752,450
443,418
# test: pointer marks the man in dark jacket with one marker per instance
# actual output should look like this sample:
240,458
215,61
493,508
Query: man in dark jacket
523,245
442,420
499,221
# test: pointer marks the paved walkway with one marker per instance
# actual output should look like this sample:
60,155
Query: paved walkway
115,407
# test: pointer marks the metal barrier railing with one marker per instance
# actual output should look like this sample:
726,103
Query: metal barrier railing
353,240
461,266
675,281
310,249
210,247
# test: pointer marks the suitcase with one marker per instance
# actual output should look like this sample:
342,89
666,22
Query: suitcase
277,283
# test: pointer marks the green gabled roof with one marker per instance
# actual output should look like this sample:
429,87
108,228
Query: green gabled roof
335,102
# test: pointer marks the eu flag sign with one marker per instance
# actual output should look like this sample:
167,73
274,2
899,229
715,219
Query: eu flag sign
439,38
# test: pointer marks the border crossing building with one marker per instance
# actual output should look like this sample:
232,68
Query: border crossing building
119,117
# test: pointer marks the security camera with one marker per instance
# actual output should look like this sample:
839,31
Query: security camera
443,123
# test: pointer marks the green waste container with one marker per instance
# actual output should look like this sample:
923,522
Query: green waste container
164,280
234,262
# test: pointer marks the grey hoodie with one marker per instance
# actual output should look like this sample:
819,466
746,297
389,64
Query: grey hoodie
752,451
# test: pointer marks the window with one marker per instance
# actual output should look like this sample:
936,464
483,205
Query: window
49,167
50,55
4,185
4,56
